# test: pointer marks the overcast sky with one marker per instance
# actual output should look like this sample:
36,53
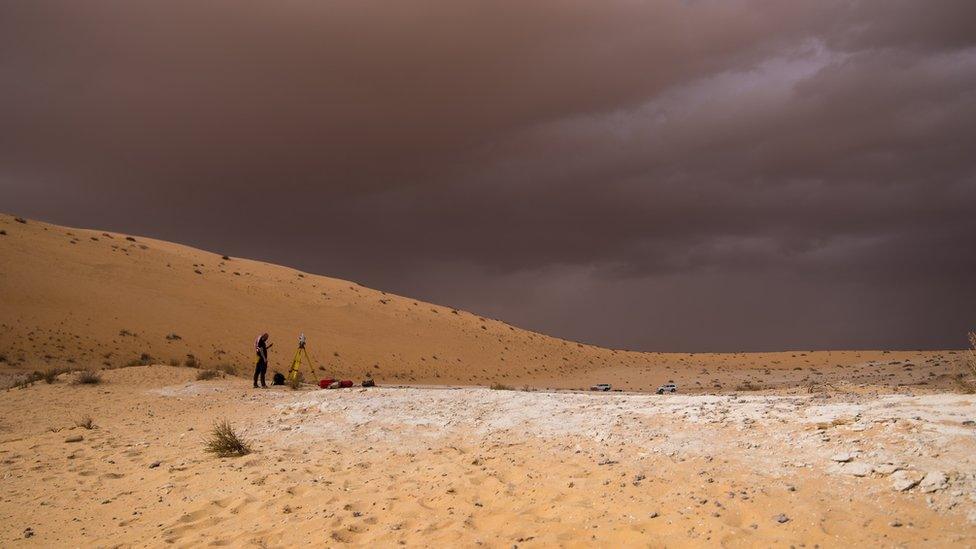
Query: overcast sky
695,176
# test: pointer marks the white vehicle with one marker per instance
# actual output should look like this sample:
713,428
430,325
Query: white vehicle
600,387
667,388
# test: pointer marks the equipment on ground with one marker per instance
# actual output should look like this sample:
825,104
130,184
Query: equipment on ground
667,388
278,379
296,363
600,387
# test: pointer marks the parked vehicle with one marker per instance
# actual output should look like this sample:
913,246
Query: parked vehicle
600,387
667,388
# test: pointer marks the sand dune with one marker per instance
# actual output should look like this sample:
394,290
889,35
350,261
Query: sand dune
870,448
80,298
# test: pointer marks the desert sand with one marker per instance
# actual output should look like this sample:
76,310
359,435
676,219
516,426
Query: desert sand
801,448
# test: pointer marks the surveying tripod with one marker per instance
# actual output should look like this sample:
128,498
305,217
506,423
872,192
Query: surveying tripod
296,363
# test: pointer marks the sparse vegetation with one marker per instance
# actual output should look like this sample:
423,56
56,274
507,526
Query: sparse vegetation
296,382
967,380
228,369
86,423
204,375
28,380
174,362
191,362
51,375
88,377
224,442
173,337
971,357
145,359
501,387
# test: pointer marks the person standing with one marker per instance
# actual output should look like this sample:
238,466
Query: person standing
261,347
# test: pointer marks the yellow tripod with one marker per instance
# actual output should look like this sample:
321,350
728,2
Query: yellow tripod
296,363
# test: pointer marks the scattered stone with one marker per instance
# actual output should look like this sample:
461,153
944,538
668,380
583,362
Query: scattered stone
858,469
842,457
28,532
74,438
896,523
155,464
654,514
886,468
781,518
933,482
905,480
638,478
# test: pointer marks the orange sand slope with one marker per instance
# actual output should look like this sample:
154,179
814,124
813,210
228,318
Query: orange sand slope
77,298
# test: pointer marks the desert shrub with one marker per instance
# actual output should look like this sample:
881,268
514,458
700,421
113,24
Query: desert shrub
224,442
191,362
174,362
88,377
204,375
296,382
228,369
971,358
51,375
500,387
27,380
173,337
3,357
86,423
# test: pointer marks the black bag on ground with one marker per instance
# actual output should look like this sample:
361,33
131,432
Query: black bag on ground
278,379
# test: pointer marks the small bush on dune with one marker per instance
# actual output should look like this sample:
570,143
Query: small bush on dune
88,377
501,387
228,369
28,380
191,362
224,442
174,362
51,375
204,375
971,358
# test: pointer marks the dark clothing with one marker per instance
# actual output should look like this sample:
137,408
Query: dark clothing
259,370
262,365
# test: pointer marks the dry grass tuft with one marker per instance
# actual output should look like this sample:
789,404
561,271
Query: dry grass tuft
88,377
224,442
86,423
228,369
51,375
204,375
191,362
971,356
501,387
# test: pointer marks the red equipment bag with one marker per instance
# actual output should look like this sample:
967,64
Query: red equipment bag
345,383
324,384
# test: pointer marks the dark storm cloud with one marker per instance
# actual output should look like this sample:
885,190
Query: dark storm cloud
673,175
